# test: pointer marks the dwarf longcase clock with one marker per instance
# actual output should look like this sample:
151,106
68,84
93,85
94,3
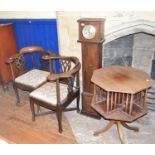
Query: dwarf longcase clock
91,37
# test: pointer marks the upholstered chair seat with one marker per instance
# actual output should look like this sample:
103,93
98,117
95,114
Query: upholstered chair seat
47,93
33,78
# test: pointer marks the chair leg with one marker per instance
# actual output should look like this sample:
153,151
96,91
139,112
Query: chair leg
59,117
17,94
77,103
32,109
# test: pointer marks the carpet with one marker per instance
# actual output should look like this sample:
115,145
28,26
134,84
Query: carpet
83,128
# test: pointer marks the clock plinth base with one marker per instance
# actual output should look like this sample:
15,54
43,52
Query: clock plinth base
86,106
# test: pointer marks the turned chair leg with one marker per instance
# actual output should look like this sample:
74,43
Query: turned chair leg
17,94
77,103
32,110
59,118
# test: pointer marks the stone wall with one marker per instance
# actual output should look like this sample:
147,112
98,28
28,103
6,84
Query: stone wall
68,26
118,51
143,52
136,50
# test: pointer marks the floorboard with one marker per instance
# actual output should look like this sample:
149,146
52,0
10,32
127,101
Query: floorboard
16,124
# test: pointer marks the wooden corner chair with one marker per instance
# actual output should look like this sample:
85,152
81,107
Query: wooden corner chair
60,90
24,78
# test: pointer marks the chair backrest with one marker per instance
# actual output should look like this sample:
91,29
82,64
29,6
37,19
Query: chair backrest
28,58
62,64
62,67
31,55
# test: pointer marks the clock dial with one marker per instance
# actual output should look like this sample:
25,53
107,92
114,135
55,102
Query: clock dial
89,31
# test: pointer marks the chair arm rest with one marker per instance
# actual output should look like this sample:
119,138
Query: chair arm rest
53,77
53,56
48,54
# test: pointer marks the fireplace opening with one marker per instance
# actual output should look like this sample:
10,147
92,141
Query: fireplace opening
136,50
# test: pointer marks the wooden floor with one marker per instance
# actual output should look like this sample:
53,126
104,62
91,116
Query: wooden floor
16,124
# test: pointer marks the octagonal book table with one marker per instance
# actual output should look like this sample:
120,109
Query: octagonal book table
120,96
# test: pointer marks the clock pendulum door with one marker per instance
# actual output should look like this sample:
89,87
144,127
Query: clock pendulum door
91,39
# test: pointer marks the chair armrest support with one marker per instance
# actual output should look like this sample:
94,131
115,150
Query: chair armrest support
12,58
17,61
10,62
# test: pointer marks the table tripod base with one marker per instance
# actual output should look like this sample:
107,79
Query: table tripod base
119,129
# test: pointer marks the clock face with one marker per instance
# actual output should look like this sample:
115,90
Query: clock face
89,31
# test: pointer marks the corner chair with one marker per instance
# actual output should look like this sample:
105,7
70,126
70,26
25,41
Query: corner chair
28,70
60,90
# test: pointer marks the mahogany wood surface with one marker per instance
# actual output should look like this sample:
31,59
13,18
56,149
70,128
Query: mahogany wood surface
121,79
120,96
7,48
98,23
120,92
91,60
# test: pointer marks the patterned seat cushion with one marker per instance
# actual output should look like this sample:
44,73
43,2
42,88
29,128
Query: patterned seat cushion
47,93
33,78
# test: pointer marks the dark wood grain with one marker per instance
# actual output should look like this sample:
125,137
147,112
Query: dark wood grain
121,79
68,74
120,96
120,92
7,48
91,60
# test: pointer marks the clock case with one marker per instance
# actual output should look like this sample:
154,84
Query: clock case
91,60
